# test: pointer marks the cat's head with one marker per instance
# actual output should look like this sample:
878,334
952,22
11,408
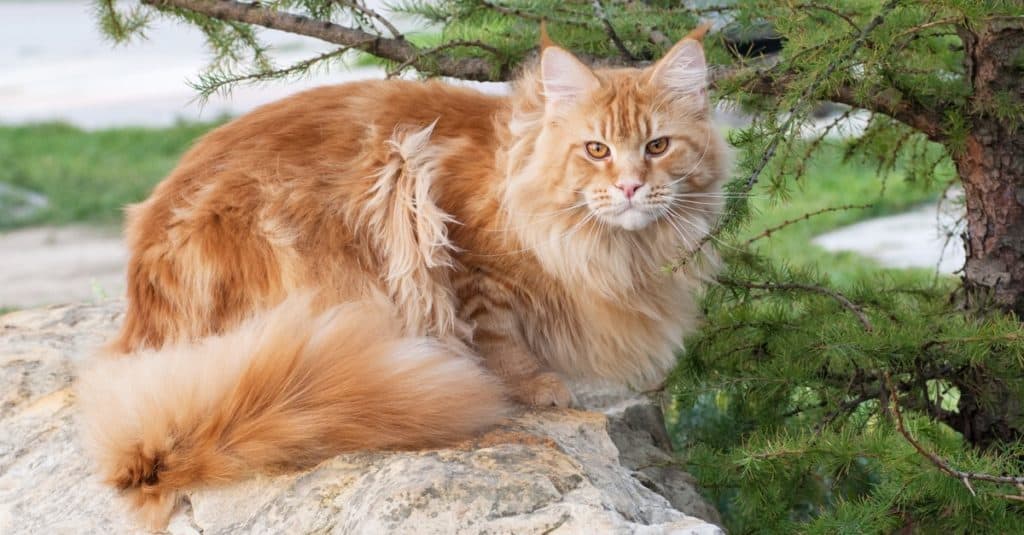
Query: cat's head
626,147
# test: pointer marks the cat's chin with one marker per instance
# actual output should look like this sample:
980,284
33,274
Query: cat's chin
631,219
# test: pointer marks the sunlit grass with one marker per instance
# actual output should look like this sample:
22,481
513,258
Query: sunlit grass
88,176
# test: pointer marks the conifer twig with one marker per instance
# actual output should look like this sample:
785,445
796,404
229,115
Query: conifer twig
939,462
813,146
526,15
209,84
771,230
926,25
610,30
505,10
433,51
830,9
392,49
784,286
358,6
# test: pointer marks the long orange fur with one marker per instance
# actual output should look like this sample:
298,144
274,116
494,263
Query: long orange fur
382,264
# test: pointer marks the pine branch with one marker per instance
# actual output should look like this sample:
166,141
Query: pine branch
439,48
358,6
610,30
209,84
924,26
886,101
813,146
942,464
769,231
398,50
527,15
831,10
784,286
120,27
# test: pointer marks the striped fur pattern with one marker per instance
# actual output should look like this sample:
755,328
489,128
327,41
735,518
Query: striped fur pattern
388,264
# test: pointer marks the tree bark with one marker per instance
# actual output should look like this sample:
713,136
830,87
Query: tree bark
991,168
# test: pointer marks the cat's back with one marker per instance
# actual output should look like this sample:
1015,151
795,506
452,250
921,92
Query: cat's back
324,143
347,117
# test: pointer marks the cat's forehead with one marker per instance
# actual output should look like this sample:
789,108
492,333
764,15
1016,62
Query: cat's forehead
624,108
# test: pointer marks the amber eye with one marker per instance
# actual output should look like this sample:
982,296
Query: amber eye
657,146
597,150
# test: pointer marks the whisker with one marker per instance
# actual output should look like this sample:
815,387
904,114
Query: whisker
710,234
719,194
691,202
681,233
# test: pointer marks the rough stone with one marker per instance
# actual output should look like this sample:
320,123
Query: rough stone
541,472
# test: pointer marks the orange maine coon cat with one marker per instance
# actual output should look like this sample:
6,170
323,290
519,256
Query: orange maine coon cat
387,264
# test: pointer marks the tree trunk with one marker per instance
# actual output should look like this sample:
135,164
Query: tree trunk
992,169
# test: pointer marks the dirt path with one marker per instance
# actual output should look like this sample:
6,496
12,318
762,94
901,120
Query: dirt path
920,238
43,266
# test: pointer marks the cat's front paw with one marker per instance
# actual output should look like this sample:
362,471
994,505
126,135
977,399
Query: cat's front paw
545,389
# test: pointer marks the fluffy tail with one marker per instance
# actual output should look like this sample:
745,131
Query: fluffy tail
285,390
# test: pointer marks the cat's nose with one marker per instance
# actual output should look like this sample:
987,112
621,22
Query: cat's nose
628,187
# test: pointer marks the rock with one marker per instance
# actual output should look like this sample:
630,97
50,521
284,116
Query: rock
18,205
638,430
542,472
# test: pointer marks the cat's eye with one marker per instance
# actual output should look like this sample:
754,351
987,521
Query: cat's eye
597,150
657,146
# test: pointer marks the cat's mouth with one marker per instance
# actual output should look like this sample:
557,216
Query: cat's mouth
631,216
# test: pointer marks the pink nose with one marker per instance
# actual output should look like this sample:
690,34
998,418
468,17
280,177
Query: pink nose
628,188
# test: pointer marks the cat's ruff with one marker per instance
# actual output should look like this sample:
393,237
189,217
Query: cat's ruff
383,264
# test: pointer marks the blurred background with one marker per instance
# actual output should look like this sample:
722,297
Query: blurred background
87,127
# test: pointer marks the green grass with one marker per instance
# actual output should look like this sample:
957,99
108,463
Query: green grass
88,176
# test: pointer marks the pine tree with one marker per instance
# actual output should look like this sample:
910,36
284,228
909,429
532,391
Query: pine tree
883,404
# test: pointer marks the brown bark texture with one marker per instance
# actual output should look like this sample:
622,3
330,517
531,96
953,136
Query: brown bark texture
991,168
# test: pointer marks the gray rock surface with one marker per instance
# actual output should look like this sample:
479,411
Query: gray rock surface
542,472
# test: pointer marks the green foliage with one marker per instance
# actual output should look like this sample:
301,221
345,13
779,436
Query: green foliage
89,176
120,26
778,399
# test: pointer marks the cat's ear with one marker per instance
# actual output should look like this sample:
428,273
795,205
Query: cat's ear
565,78
683,70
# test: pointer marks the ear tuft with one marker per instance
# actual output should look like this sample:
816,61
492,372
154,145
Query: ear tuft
699,32
564,77
545,39
683,70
